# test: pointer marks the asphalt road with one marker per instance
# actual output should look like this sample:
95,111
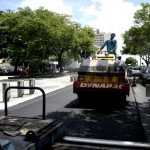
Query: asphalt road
107,124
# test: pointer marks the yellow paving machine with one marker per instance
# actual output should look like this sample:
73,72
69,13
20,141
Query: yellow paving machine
102,76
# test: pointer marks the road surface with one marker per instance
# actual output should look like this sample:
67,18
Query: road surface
62,105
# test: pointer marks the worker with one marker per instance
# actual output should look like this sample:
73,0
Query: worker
120,63
111,45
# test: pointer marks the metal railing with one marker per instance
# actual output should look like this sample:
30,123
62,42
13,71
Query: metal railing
23,87
110,143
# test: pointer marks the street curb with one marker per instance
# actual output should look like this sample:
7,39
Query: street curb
143,108
48,85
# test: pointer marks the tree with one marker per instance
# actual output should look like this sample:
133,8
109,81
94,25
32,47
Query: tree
137,39
33,36
13,46
131,60
86,40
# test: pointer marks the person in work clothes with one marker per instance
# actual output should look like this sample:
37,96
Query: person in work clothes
111,45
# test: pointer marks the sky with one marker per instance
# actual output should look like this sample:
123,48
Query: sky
106,15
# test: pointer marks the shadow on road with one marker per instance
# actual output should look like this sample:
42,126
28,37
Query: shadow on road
99,106
93,123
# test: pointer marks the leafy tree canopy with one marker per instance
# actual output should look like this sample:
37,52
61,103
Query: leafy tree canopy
137,39
131,60
33,36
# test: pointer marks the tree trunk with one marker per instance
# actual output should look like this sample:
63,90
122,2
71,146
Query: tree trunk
60,62
16,65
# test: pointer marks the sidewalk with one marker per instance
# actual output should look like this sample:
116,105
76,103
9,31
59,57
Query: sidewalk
143,103
47,84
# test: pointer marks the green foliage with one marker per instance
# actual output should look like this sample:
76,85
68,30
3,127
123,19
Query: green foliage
131,60
137,39
33,36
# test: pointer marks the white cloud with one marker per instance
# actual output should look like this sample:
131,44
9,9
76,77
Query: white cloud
110,16
53,5
107,15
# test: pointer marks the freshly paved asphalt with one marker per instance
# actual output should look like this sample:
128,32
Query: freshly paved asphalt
52,84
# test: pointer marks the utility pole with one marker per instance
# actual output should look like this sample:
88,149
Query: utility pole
140,61
85,54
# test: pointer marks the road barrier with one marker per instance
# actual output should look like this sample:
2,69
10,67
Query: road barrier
73,77
114,144
147,90
31,84
20,91
23,87
4,87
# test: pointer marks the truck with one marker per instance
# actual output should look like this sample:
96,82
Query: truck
100,77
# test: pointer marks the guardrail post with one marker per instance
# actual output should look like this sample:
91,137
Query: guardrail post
75,77
4,87
22,87
71,77
147,90
20,91
31,84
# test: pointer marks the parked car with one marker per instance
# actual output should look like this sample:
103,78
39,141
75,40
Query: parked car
143,68
146,76
136,71
24,72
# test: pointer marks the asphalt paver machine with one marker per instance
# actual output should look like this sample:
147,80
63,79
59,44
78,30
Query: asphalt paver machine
102,76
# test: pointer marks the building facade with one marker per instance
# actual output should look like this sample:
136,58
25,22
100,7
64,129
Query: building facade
100,38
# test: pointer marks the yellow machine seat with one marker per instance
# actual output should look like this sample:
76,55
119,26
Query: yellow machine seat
105,57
